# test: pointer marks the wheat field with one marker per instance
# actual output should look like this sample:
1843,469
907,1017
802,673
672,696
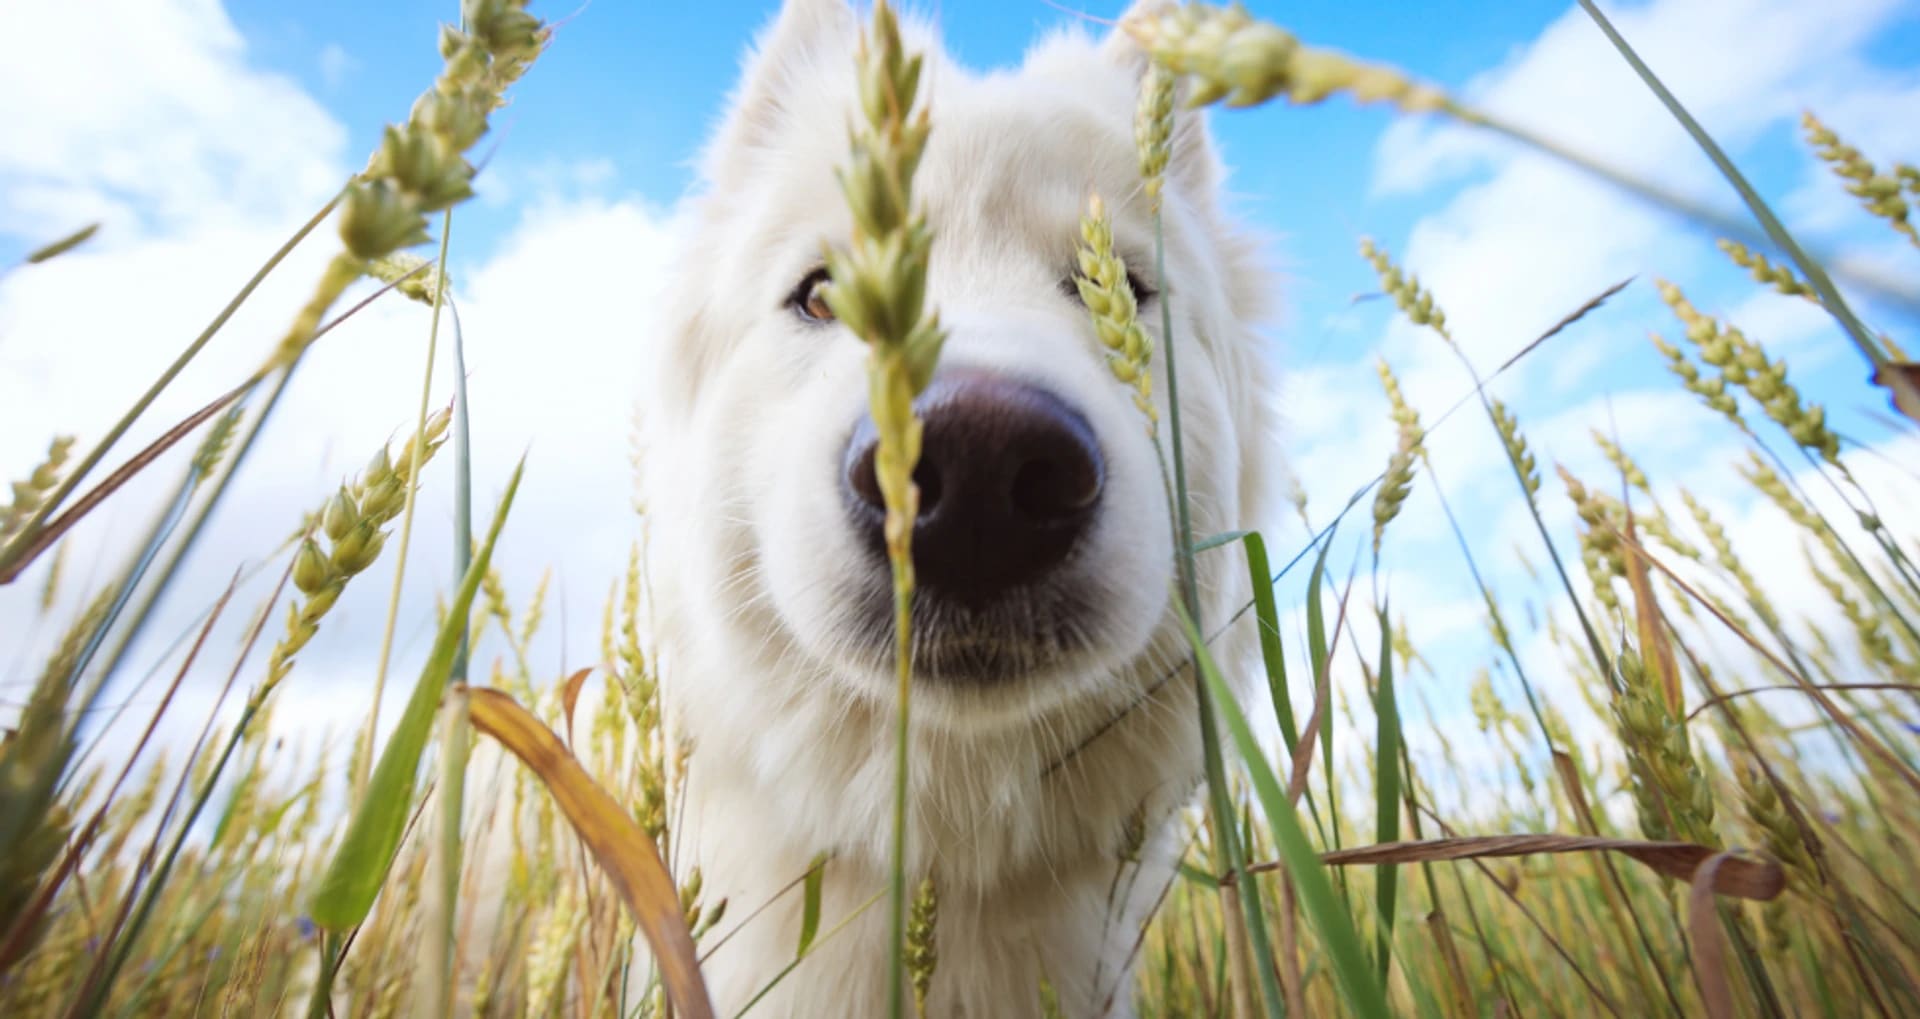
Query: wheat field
1733,835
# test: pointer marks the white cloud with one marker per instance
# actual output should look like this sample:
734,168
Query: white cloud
1516,241
552,357
1529,239
148,114
1526,240
203,165
1767,59
335,64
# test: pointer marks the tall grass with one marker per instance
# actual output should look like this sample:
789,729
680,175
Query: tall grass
1735,840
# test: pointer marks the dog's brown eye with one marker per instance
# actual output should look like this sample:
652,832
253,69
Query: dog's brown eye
1142,293
809,299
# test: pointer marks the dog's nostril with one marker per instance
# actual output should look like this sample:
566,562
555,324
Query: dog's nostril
1010,478
864,481
1047,489
861,478
927,476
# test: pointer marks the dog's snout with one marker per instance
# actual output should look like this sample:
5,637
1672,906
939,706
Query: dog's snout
1010,478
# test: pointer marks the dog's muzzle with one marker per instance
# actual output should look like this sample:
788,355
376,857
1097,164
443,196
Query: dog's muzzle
1010,479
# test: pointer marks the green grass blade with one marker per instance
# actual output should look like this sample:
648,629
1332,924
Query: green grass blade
1198,876
462,467
789,967
1319,653
414,456
1267,614
1217,540
359,867
1220,806
810,903
158,967
456,746
199,475
1810,268
1386,746
1317,897
165,523
47,252
456,739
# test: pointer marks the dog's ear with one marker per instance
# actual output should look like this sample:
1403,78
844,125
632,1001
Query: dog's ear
1119,47
804,36
1193,163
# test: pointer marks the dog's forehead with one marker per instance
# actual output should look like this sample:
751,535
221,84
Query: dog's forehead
997,162
1013,157
1007,149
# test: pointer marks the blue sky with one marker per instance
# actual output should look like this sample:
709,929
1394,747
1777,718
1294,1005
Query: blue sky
622,103
629,91
615,100
201,132
614,89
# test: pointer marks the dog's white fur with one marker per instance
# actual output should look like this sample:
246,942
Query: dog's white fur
754,561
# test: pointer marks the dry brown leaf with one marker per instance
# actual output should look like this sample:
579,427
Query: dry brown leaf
1303,751
1573,316
1895,763
1462,990
1570,783
1909,375
1703,929
1655,649
630,859
1322,691
1759,879
570,697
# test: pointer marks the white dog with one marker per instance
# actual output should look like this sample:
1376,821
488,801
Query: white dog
1047,732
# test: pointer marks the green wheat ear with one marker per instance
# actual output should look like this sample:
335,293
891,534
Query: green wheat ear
352,522
28,495
880,281
879,292
1779,277
421,166
414,277
1232,55
1743,363
1109,298
1397,483
1153,131
1879,193
923,955
35,750
1413,300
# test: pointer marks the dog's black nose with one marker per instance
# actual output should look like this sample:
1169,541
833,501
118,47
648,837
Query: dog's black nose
1009,476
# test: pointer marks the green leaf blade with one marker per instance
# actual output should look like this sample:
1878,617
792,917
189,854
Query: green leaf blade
359,867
